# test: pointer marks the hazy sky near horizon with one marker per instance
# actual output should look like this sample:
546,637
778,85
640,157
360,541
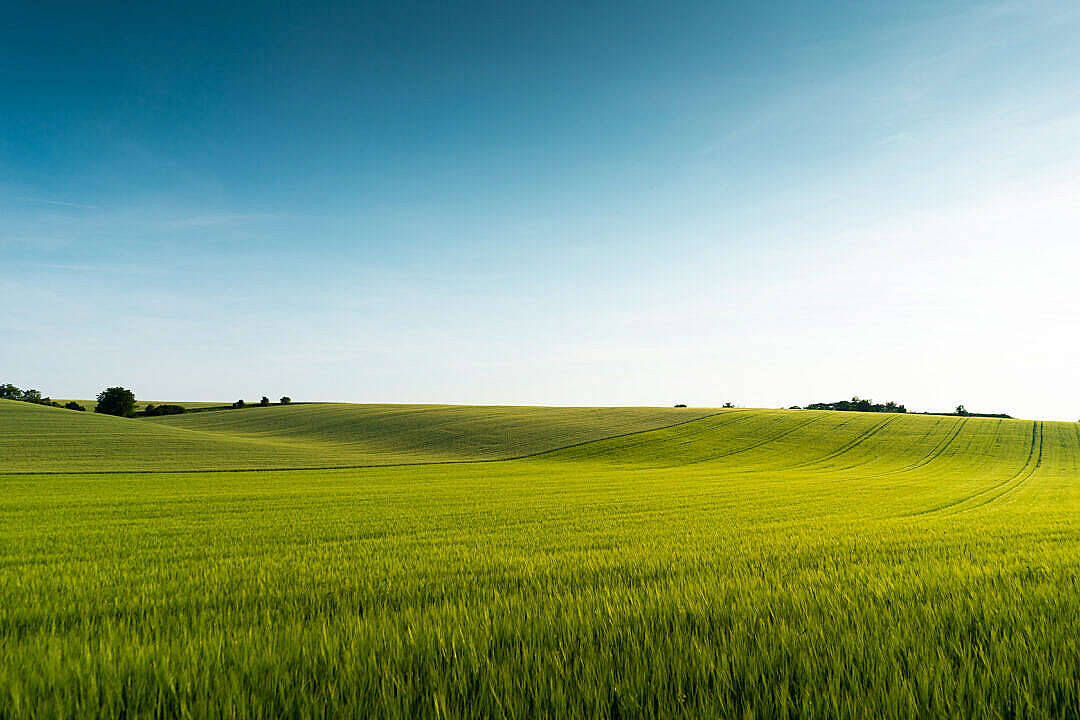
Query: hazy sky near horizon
563,203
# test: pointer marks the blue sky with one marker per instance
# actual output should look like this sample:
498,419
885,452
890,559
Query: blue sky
567,203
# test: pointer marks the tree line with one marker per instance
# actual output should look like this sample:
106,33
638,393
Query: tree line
858,404
285,400
10,392
118,401
110,401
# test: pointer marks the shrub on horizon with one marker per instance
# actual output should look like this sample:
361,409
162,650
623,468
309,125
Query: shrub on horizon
32,396
116,401
155,410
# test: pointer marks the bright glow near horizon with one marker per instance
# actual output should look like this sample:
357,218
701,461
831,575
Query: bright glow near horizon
613,206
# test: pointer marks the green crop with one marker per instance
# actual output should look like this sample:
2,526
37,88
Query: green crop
743,564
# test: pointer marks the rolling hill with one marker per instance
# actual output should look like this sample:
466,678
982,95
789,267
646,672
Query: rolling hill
36,438
41,439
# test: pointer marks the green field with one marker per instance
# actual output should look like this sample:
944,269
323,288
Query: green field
35,438
737,563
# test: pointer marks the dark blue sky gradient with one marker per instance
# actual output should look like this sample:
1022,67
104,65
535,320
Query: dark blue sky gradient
303,103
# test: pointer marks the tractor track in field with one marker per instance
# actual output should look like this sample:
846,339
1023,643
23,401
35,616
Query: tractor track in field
935,452
421,463
1031,465
754,446
686,437
838,428
848,446
1024,477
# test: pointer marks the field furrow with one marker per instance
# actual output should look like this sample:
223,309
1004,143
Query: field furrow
846,447
986,495
1031,466
755,445
938,450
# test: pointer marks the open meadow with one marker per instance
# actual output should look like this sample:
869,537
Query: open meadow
537,562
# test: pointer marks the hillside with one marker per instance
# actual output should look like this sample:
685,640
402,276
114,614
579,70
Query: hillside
417,433
41,439
35,438
822,440
902,464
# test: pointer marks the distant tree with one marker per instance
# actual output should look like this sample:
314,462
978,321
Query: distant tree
31,396
10,392
729,405
681,405
858,404
285,400
75,406
116,401
961,410
265,401
238,404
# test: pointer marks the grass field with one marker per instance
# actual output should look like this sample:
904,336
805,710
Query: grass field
749,563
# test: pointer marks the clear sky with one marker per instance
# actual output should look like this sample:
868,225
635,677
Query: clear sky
544,203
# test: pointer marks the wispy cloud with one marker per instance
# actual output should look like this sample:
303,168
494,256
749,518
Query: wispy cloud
196,221
35,242
126,269
61,203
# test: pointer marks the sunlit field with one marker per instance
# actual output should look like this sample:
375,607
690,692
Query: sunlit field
703,563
